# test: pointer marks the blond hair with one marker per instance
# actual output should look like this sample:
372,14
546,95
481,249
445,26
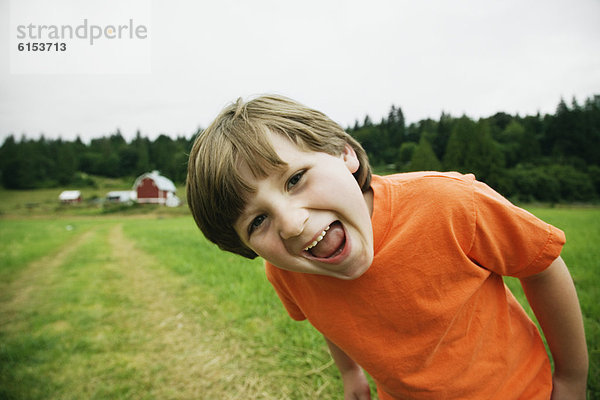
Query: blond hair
237,138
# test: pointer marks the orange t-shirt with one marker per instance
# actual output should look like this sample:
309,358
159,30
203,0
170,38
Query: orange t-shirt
431,318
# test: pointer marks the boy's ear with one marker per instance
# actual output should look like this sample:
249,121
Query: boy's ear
350,158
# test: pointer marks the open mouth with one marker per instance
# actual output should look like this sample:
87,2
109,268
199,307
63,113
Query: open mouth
329,243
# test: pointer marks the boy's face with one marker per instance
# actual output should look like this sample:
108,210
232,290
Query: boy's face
310,216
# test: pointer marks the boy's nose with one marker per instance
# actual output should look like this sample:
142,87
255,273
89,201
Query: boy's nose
292,223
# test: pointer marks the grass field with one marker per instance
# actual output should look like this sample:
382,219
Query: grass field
144,308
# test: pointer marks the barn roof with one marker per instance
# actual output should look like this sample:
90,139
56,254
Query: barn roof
161,182
69,195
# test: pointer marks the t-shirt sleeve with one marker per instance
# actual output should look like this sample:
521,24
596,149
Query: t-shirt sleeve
273,275
509,240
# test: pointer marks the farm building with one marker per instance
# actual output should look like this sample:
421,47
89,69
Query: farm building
121,196
154,188
70,196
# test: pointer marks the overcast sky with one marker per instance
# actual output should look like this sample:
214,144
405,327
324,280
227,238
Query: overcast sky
345,58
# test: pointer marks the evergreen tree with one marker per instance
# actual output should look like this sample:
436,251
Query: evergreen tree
66,163
128,160
413,133
142,149
564,139
517,144
18,170
424,158
590,120
395,127
498,123
373,141
7,151
405,154
444,129
472,149
459,144
163,152
117,141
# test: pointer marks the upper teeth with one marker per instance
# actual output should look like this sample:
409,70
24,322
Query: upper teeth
319,238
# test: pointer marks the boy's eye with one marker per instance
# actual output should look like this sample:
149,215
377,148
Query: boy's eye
295,179
256,223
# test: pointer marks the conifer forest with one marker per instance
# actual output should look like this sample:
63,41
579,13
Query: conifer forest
548,158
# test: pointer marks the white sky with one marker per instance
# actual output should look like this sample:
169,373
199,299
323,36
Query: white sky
345,58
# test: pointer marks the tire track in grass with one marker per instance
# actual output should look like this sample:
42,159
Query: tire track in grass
195,361
235,366
23,351
34,276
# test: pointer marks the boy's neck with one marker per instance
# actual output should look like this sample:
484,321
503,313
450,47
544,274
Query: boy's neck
368,195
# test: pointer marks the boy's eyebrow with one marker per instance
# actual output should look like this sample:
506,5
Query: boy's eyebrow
242,220
282,172
279,171
248,210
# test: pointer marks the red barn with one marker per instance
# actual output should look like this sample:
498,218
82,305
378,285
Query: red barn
154,188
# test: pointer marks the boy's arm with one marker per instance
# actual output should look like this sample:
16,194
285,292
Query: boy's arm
356,386
551,294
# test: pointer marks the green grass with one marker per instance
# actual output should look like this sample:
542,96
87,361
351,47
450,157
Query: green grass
145,308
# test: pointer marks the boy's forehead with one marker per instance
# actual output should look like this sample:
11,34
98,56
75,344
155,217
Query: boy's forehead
286,148
269,156
277,140
255,166
260,170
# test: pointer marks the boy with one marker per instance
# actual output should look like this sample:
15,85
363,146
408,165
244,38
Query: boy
401,274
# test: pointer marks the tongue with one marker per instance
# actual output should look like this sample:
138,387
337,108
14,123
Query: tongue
333,240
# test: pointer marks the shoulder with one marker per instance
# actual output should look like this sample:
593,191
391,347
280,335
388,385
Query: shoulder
424,177
425,204
428,186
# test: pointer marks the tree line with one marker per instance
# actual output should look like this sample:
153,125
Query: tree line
31,164
554,157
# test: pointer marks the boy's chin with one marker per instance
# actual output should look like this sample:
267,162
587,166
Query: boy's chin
355,271
352,269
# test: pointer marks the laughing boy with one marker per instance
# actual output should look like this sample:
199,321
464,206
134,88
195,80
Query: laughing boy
401,274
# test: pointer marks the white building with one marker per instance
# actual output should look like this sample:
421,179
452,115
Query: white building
70,196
